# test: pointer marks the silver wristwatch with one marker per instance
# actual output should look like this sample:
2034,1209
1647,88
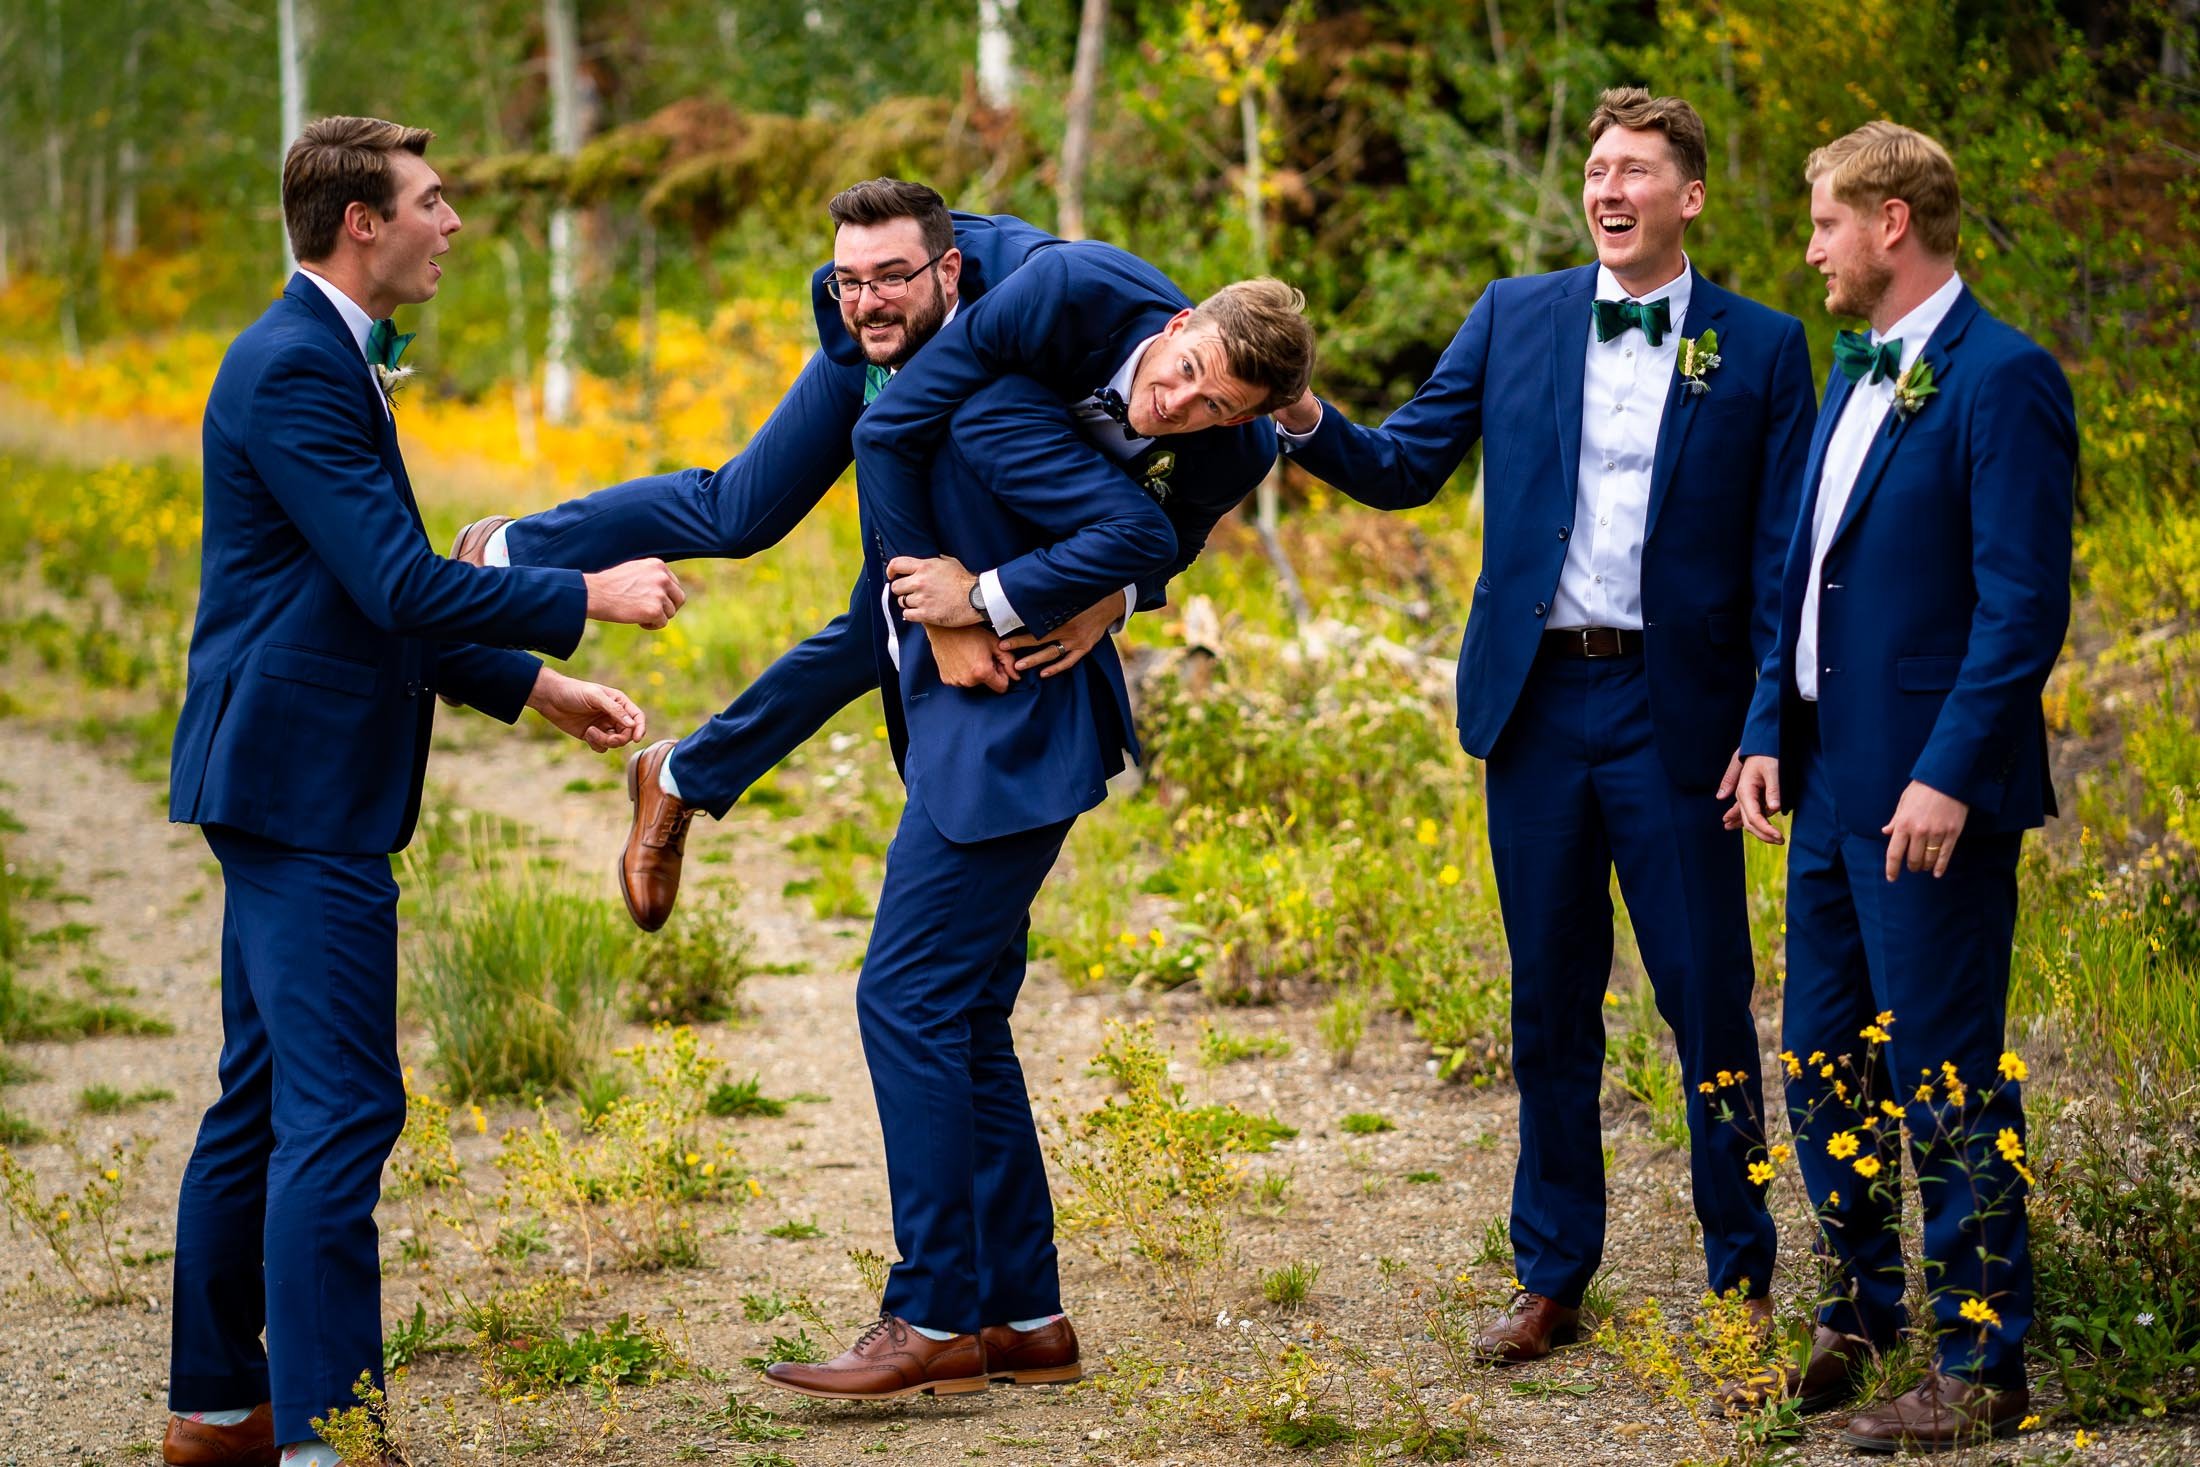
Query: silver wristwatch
977,600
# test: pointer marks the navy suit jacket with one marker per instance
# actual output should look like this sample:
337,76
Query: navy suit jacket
1013,479
1068,319
1945,592
326,622
1722,499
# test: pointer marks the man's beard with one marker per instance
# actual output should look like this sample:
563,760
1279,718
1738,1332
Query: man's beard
919,324
1860,288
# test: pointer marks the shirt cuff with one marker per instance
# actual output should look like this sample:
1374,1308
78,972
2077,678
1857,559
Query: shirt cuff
1005,619
1290,439
1130,606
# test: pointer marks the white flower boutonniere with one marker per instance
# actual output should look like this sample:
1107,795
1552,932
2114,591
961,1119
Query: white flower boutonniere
392,378
1913,387
1699,359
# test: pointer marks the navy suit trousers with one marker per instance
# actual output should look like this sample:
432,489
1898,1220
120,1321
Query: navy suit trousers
1935,954
685,516
972,1219
1577,788
275,1226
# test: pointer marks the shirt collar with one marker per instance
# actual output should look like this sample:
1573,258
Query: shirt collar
1126,374
1917,328
1674,293
355,315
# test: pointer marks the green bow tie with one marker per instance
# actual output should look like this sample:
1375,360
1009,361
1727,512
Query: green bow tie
384,345
1855,355
1655,318
875,379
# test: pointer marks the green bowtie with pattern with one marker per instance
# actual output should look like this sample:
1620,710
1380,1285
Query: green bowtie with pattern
875,379
1655,318
384,345
1855,355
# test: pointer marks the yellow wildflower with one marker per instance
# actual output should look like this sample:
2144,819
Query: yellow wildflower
1885,1019
1978,1311
1872,1032
1761,1172
112,1175
1889,1109
1707,1087
710,1168
2028,1423
481,1121
2008,1145
1867,1167
1794,1065
2012,1067
1842,1146
1782,1151
1426,833
1449,876
691,1158
1924,1092
2083,1439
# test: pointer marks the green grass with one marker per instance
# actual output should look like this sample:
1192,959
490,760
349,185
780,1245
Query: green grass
1366,1123
1288,1287
1219,1046
516,977
741,1099
106,1100
794,1231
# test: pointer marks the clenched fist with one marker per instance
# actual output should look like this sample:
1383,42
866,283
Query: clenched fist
643,593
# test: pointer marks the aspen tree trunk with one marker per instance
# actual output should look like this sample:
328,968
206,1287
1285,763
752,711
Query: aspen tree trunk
57,211
562,30
125,238
292,71
1084,86
996,53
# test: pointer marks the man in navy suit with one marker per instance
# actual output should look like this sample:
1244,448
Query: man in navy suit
326,626
995,780
1925,600
903,268
1643,433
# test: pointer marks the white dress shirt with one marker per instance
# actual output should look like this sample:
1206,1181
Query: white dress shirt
1624,386
1851,441
356,317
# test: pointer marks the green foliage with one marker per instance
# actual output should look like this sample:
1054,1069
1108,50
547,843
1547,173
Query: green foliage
106,1100
1366,1123
744,1098
80,1228
516,976
624,1352
410,1339
692,974
2118,1301
794,1230
798,1348
1287,1287
763,1308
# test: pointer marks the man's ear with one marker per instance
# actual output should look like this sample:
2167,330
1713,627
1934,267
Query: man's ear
951,269
1894,223
361,222
1178,322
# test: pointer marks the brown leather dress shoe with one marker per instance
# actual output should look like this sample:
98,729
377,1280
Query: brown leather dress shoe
1942,1413
1043,1356
250,1443
1527,1330
888,1359
472,543
649,865
1826,1380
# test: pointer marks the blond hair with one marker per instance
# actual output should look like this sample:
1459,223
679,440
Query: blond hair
1885,160
1266,339
337,162
1636,110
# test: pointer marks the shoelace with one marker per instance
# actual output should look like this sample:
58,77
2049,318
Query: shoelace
871,1331
672,826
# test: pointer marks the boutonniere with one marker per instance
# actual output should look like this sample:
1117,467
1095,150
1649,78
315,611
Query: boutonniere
1912,388
1155,480
392,378
1699,359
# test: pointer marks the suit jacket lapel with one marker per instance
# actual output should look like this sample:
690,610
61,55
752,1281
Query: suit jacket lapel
318,305
1569,360
1890,434
1706,310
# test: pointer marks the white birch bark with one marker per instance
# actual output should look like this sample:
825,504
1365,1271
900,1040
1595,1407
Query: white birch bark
562,30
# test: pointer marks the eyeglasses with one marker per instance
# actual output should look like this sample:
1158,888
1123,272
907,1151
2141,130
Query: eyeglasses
885,287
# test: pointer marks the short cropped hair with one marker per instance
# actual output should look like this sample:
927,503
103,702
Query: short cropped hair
1266,339
1636,110
337,162
883,200
1885,160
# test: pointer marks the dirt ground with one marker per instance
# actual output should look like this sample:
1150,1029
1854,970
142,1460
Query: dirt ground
86,1385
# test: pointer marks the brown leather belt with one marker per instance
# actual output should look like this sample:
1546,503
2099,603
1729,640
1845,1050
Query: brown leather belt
1592,642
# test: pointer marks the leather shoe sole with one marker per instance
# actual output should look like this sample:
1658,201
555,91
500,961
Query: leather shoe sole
959,1386
1049,1375
1889,1446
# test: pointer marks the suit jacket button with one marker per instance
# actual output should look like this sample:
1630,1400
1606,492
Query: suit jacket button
1540,608
1563,532
412,690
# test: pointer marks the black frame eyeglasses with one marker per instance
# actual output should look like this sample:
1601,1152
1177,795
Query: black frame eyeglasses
885,287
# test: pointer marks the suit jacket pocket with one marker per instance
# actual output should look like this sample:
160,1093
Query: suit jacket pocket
321,669
1926,674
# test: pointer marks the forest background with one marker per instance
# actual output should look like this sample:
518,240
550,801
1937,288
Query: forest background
642,184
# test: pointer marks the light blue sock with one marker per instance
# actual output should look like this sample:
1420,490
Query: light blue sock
933,1334
215,1418
313,1452
665,780
497,552
1026,1326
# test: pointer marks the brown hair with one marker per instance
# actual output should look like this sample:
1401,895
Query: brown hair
1636,110
337,162
1885,160
1266,339
883,200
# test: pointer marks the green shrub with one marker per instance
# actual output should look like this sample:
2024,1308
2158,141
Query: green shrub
692,974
